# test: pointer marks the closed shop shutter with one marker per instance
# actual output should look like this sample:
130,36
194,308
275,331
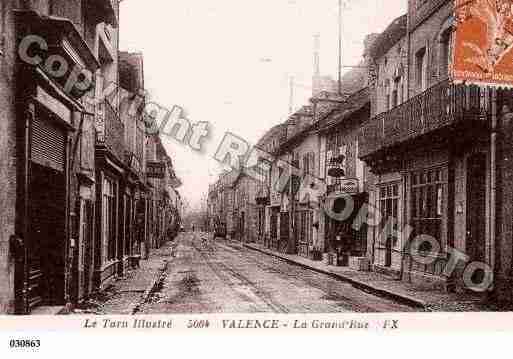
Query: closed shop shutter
48,144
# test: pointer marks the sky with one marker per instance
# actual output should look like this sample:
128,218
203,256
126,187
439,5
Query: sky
228,62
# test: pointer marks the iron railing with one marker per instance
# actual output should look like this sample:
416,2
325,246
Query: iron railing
441,105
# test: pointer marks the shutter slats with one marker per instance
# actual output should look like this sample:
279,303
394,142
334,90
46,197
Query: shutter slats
48,145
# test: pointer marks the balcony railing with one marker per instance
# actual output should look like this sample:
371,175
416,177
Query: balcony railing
111,134
441,105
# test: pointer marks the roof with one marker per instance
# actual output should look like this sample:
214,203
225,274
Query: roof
354,103
274,131
388,38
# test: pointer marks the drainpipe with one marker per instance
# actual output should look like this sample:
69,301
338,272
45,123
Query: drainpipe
376,200
493,178
404,216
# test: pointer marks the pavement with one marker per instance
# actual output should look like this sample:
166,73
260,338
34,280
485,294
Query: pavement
125,295
386,286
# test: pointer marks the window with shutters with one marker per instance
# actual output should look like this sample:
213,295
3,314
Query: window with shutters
306,164
109,215
421,69
445,53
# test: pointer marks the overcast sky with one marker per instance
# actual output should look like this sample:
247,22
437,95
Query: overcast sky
228,62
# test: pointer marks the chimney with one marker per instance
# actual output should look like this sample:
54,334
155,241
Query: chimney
368,43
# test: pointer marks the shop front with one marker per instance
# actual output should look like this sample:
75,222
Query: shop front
44,212
345,237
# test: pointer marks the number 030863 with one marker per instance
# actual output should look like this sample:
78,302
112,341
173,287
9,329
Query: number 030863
24,343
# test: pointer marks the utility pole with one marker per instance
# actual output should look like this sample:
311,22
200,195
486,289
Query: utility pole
291,98
340,47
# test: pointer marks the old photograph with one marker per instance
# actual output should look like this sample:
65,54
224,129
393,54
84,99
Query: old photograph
273,157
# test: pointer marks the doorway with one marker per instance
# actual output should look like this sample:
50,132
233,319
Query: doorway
47,230
476,211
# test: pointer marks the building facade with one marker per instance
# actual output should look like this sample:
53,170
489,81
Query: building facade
432,148
72,164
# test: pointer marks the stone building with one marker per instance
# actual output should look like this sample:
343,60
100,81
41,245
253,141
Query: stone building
344,174
435,159
245,212
269,143
72,163
48,142
221,199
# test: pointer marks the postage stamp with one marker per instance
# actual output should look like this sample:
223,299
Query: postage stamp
484,39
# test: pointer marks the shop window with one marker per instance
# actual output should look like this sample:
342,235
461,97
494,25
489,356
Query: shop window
427,203
389,205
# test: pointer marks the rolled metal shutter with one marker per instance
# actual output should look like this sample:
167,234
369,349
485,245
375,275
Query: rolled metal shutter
48,144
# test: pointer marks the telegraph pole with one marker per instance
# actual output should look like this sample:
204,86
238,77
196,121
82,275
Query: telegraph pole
340,47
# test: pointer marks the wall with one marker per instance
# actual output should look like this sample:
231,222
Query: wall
8,158
427,34
388,67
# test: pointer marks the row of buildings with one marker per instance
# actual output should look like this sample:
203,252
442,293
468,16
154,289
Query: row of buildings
431,154
86,190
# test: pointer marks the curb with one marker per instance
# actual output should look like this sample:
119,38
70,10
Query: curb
151,287
405,299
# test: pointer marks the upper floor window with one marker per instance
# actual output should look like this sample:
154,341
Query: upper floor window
69,9
388,104
421,69
395,91
445,53
309,163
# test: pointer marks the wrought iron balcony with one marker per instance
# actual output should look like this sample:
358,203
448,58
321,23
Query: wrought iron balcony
442,105
111,131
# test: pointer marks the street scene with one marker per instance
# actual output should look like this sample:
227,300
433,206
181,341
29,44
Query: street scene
160,169
221,277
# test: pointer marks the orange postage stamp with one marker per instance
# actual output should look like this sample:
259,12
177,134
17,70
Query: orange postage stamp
483,42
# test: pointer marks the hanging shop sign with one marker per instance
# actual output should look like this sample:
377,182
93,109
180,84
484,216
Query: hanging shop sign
155,170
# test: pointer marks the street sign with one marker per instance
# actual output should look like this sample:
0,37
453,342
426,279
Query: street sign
155,170
349,185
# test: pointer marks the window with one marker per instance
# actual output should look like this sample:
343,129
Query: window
309,163
387,95
427,203
421,3
395,92
70,9
421,69
389,205
445,53
109,221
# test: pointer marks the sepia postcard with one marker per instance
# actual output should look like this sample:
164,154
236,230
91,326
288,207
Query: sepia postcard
335,166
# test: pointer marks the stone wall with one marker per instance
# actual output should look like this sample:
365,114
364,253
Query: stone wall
8,156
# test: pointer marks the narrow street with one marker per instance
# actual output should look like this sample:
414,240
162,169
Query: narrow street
214,277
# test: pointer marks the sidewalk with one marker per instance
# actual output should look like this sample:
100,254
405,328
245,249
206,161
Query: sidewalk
386,286
125,295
